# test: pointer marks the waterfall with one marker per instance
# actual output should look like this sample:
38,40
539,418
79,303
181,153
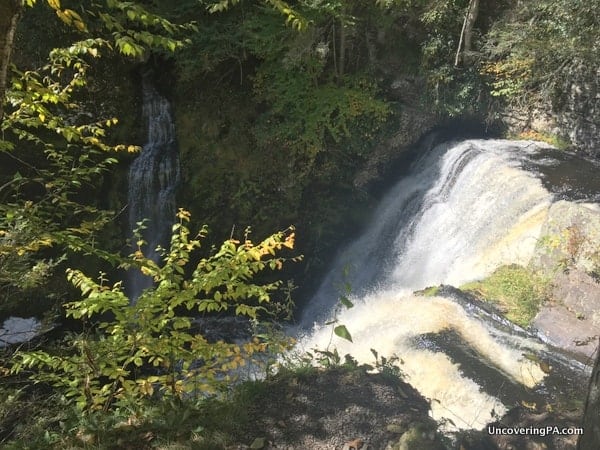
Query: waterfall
153,180
465,209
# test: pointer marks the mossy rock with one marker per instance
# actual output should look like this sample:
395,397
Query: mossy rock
430,291
516,291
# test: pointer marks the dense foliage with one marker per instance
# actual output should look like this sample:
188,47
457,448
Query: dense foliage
531,49
276,123
57,153
55,148
108,366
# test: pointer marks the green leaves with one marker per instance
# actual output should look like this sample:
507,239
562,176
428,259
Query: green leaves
136,29
345,301
306,115
292,17
102,370
342,331
530,51
129,47
58,145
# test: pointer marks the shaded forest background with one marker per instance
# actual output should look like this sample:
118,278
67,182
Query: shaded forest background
282,122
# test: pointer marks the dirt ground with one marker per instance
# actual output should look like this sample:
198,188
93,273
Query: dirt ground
337,409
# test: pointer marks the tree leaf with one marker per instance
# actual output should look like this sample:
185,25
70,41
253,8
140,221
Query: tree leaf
342,332
346,302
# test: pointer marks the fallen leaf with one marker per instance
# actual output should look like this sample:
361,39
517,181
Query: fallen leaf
356,444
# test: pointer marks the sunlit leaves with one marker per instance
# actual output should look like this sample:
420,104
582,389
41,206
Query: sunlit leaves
221,5
531,50
133,27
101,371
71,18
59,147
309,115
292,17
510,77
136,29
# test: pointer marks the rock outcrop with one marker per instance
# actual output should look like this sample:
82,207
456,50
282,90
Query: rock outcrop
414,121
577,107
572,112
569,254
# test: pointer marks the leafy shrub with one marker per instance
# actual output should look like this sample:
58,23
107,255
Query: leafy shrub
146,348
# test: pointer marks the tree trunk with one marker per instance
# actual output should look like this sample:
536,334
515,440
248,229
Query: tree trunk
10,11
472,13
590,440
342,49
466,33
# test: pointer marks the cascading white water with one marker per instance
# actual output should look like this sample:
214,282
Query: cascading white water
153,180
464,210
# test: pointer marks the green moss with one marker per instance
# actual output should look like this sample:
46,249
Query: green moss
517,291
549,138
430,291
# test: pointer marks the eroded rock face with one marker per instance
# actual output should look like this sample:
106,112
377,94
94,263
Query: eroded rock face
414,122
578,106
570,238
17,329
560,327
572,113
568,255
580,293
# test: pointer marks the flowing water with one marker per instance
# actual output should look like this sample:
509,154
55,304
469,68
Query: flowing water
153,180
465,209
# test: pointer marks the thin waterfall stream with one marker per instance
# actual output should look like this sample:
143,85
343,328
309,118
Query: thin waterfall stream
464,210
153,180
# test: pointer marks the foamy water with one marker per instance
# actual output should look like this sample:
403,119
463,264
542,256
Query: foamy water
464,210
389,322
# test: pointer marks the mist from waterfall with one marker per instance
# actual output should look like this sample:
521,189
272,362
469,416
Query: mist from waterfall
465,209
153,180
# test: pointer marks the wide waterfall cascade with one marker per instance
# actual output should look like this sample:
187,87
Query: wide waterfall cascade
465,209
153,180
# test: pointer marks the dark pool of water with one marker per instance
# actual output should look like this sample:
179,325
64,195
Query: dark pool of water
568,175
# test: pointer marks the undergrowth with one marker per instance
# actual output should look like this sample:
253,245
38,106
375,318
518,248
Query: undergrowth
41,421
40,418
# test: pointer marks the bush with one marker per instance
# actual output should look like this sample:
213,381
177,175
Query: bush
146,349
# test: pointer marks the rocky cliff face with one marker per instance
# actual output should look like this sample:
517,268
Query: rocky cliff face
577,107
569,256
571,111
414,120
